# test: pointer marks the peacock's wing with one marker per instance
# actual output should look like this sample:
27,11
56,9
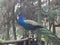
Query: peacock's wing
33,23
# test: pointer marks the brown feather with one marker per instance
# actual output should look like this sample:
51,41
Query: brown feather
32,22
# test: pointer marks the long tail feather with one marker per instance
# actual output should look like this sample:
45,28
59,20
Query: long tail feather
50,35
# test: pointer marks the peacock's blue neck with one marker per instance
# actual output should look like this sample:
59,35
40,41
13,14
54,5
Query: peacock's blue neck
20,20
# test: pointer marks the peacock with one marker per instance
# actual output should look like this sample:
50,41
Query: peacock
28,24
32,25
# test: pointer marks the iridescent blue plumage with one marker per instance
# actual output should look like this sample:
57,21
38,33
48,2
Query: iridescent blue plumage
20,20
27,24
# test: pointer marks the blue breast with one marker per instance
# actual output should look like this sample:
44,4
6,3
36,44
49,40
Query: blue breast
20,20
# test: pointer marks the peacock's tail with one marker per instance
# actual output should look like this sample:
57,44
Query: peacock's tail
50,35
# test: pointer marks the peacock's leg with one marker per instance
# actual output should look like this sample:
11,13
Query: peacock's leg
25,33
31,34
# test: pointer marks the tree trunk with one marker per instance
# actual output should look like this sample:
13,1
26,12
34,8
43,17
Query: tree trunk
54,31
13,23
39,20
50,24
8,27
14,29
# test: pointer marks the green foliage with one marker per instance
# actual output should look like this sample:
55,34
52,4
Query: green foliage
2,37
53,11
